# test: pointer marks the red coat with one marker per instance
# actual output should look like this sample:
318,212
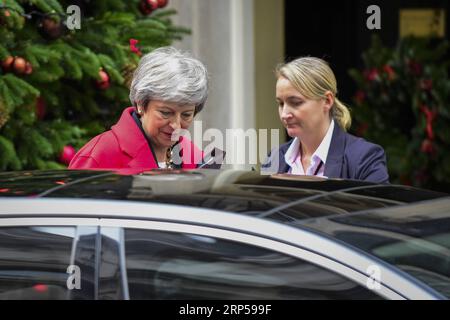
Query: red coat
125,146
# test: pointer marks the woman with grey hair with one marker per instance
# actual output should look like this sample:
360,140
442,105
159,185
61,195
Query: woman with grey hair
168,89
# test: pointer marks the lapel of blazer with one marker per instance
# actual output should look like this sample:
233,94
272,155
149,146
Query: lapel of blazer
335,157
283,167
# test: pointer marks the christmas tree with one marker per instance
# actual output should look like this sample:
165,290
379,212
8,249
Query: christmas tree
403,104
65,72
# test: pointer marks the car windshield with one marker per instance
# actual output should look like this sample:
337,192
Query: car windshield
415,238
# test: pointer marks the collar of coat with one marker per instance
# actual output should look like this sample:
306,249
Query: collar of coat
133,143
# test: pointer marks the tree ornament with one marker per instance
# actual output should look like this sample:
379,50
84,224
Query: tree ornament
50,28
360,96
19,65
7,63
3,17
415,68
67,154
427,146
162,3
28,68
148,6
104,82
389,71
133,48
371,75
430,116
41,108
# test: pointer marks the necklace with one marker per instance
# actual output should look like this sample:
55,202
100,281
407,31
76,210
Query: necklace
169,160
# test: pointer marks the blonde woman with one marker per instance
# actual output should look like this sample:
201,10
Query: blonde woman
317,123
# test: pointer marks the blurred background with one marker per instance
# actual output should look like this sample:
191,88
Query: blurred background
60,87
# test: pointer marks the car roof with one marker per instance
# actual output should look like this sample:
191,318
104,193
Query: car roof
280,197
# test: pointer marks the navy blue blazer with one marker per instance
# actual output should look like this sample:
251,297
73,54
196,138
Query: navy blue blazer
349,157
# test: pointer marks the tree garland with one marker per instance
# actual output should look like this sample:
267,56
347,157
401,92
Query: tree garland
403,104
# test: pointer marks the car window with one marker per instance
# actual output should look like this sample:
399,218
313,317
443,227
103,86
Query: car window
34,262
414,238
168,265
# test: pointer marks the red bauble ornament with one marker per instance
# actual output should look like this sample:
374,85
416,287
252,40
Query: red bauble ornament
133,48
67,154
103,83
28,68
427,146
103,76
389,71
51,29
360,96
162,3
152,4
415,68
19,65
4,16
148,6
41,108
143,8
7,63
371,75
430,117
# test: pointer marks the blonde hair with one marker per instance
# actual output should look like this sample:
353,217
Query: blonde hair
313,77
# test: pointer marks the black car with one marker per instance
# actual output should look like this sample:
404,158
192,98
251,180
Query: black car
210,234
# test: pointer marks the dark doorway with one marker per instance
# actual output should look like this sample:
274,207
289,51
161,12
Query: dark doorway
336,31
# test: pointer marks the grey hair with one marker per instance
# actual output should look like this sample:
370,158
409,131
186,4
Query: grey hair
169,74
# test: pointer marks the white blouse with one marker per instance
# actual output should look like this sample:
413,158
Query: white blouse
294,160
